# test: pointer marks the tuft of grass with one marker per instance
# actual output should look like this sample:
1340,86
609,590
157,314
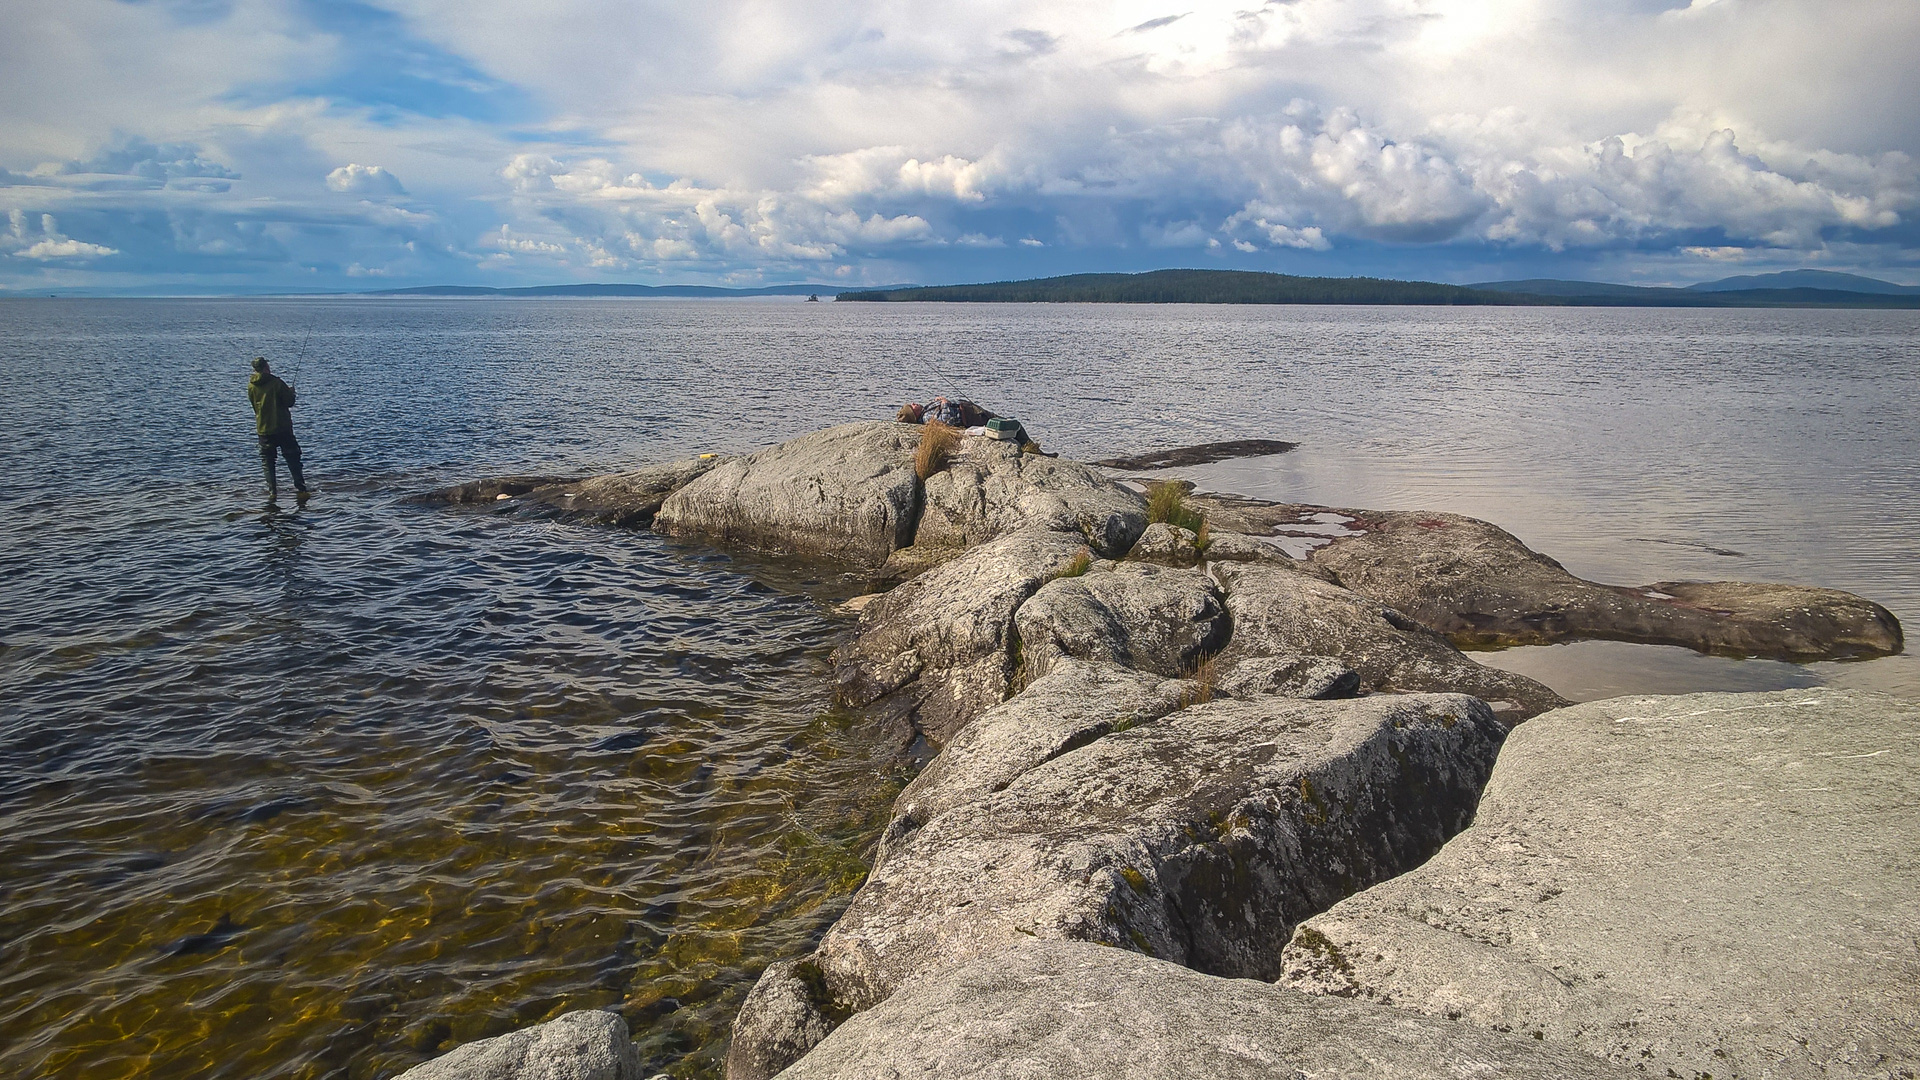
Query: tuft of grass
1201,537
1167,501
1202,673
937,443
1079,564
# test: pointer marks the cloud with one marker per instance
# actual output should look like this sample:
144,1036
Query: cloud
369,181
642,138
45,243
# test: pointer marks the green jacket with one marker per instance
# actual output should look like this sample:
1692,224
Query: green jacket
271,398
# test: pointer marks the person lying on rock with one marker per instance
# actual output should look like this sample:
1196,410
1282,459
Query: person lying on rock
958,413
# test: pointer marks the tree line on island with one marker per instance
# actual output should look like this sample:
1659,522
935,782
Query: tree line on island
1256,287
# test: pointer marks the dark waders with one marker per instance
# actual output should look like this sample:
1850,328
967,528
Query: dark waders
281,442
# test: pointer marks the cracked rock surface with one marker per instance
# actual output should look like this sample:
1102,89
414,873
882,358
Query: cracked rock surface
991,489
1279,613
846,493
1200,839
1072,1011
1151,618
940,647
1722,884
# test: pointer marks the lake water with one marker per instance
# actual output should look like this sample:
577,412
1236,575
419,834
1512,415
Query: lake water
321,792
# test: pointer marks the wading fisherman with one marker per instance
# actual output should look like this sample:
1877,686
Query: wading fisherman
273,418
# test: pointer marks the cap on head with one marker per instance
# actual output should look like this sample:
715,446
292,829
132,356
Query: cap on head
910,413
259,363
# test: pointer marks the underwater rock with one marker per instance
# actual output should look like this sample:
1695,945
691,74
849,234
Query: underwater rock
1279,613
990,489
586,1045
1203,454
1138,615
1200,839
626,499
1072,1011
940,647
1719,884
848,492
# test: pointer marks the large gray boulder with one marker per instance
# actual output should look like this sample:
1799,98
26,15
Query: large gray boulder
1065,1010
1713,884
848,492
1073,704
991,489
940,648
1200,839
1479,585
1138,615
1279,613
586,1045
780,1020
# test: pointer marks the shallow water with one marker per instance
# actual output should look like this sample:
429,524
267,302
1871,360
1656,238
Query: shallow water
320,792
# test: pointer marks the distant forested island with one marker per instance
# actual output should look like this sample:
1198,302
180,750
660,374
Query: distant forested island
1255,287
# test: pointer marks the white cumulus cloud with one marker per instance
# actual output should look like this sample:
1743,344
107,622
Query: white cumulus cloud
371,181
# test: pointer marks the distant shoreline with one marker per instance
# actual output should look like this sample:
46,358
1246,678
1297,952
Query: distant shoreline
1248,287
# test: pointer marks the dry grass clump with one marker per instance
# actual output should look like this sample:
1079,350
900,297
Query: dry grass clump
937,443
1081,562
1167,501
1202,673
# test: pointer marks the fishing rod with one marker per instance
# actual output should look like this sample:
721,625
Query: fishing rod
305,340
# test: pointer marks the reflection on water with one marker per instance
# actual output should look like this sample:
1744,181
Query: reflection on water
319,792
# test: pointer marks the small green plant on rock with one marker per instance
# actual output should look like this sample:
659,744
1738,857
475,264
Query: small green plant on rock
1167,501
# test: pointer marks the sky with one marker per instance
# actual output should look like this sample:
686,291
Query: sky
182,146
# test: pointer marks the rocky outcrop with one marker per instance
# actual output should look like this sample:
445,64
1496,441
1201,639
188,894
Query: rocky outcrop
1137,615
1479,585
990,489
1074,704
1071,1011
1310,677
586,1045
1203,454
1199,839
1713,884
848,493
1167,544
626,499
1280,613
779,1022
940,648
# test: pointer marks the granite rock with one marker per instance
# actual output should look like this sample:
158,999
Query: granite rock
1138,615
1072,705
848,493
1064,1010
991,489
586,1045
939,649
1721,884
1279,613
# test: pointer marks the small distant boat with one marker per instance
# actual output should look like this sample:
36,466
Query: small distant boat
813,298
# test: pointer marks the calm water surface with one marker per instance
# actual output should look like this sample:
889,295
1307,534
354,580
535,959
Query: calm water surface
319,793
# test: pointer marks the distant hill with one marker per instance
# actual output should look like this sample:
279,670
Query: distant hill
1807,279
1250,287
617,290
1558,287
1197,287
1604,294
